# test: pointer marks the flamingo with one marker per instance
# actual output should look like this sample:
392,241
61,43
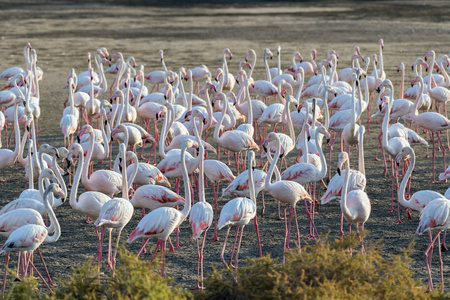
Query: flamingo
391,146
355,204
234,141
305,173
431,121
434,217
239,212
287,192
13,71
161,222
200,219
104,181
380,72
69,122
307,66
8,157
88,203
117,212
217,172
263,88
29,237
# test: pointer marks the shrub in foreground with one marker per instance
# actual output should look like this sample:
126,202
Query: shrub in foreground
134,279
320,271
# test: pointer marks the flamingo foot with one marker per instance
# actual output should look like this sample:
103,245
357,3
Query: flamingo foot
214,239
197,287
2,179
444,247
398,222
52,283
310,237
376,159
392,210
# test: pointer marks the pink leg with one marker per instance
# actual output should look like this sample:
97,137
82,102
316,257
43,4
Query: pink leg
234,246
223,248
255,221
6,271
50,281
214,238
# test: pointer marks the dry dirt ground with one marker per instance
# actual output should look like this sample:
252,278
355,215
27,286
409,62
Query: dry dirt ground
190,36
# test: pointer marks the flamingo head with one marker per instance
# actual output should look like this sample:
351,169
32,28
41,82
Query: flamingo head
342,158
219,72
161,54
430,53
227,51
268,52
357,50
381,43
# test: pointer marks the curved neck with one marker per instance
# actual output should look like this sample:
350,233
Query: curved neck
164,130
191,90
218,125
444,73
106,139
76,181
326,123
88,157
51,214
323,171
415,111
141,89
183,94
344,207
386,121
401,190
353,120
274,162
289,121
55,168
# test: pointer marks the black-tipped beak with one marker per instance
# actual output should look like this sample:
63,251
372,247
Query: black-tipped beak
157,117
28,128
204,121
309,138
328,141
339,171
68,163
379,107
412,68
78,139
378,90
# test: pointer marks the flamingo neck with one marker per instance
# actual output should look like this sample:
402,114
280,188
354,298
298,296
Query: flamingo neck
401,190
343,204
76,181
51,214
274,162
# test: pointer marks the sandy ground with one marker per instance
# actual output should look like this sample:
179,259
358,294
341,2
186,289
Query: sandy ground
63,34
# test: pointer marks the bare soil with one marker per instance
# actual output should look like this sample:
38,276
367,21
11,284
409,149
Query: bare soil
62,34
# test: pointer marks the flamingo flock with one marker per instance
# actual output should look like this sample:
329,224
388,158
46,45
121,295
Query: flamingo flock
229,113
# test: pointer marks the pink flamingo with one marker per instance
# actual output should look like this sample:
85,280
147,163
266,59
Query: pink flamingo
69,122
200,219
357,180
240,211
104,181
117,212
431,121
217,172
287,192
355,205
8,157
161,222
29,237
234,141
88,203
434,217
263,88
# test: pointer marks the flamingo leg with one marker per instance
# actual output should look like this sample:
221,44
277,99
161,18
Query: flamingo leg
234,246
426,256
223,248
238,247
143,247
257,236
50,281
215,238
5,272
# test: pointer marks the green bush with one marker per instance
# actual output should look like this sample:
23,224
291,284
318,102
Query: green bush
134,279
322,271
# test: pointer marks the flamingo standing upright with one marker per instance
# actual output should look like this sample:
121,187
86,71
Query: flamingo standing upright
200,219
117,212
431,121
287,192
162,222
29,237
434,217
355,204
239,212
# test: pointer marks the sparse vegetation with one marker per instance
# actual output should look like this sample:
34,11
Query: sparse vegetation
321,271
